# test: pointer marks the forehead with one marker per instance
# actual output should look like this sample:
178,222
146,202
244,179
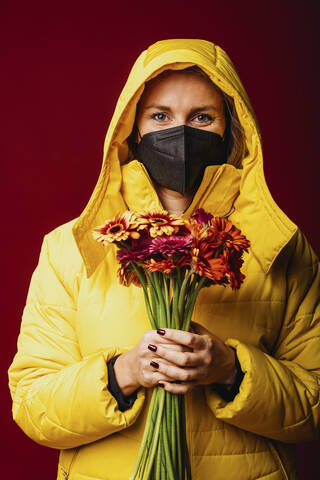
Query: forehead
171,85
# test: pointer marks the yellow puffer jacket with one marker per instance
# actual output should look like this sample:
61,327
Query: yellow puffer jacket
78,316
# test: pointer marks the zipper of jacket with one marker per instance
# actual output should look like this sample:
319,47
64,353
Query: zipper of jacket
278,459
66,474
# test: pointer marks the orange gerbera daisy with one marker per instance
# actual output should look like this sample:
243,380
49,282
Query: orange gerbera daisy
118,229
205,259
207,266
165,266
201,253
230,236
197,229
216,271
160,223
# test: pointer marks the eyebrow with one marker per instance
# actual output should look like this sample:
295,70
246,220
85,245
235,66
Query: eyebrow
196,109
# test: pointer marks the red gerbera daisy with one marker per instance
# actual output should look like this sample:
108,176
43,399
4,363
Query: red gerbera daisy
233,263
138,252
172,245
202,217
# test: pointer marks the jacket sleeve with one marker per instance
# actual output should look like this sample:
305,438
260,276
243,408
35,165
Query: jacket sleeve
60,399
279,394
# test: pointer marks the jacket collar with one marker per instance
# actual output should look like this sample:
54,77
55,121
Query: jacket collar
219,193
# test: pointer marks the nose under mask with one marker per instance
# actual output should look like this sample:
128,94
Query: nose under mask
176,157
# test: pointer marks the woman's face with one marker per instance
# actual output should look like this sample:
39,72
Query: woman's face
180,98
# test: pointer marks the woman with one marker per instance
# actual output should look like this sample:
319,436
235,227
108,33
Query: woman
86,359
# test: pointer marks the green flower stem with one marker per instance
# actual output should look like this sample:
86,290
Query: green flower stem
146,296
186,460
177,428
191,288
163,454
163,466
149,440
193,298
192,285
183,292
146,433
153,295
167,301
162,320
152,284
156,432
168,412
175,308
183,436
173,431
166,448
157,466
157,294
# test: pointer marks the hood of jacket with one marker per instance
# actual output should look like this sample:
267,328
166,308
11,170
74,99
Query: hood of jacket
260,217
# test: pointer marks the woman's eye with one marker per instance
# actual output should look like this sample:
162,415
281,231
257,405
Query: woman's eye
159,116
204,117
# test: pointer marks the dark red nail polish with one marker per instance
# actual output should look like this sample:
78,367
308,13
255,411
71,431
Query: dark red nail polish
161,385
154,364
151,347
161,331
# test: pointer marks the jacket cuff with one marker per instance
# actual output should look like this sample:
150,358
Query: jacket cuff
229,393
124,402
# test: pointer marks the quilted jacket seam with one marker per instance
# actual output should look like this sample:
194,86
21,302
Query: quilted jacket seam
228,454
34,302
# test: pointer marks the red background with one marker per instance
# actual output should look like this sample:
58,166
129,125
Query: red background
63,68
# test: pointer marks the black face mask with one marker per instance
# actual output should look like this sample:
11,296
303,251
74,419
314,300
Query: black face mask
177,157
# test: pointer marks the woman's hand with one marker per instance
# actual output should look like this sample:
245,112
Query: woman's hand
208,359
192,358
140,366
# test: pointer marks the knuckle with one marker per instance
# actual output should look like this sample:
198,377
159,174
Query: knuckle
185,388
209,341
147,336
207,361
191,339
146,375
186,376
180,348
185,360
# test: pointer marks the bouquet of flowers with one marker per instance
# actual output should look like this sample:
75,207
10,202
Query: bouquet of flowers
172,259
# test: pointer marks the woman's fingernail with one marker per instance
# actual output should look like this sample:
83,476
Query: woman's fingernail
161,331
154,364
151,347
161,385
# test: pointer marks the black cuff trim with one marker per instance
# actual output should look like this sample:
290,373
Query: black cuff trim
229,394
124,403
